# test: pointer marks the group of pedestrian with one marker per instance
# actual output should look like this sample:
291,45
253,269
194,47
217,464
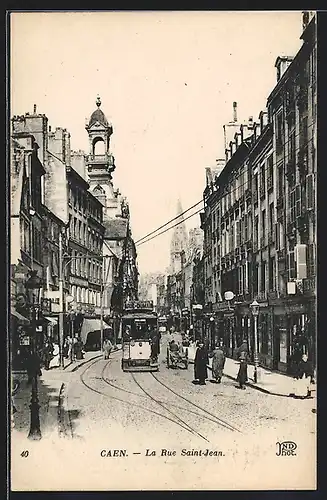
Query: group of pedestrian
73,348
201,362
218,356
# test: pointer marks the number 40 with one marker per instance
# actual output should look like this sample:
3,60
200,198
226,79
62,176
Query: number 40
24,453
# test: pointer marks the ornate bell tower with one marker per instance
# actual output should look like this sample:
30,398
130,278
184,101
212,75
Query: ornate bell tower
100,162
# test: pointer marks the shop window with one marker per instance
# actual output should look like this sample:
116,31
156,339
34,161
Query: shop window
281,328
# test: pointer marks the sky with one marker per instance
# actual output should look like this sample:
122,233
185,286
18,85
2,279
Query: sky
167,82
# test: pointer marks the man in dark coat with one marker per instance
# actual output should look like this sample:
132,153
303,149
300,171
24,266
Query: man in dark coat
242,376
201,361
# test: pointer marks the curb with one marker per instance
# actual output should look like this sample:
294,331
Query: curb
63,417
76,367
249,384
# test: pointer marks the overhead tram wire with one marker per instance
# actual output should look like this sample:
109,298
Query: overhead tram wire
168,228
228,191
171,220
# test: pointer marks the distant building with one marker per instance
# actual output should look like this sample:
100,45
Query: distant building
179,241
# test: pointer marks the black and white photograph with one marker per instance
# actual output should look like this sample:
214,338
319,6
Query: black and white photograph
162,201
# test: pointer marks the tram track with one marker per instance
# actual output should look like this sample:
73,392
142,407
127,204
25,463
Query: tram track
165,405
193,431
206,416
222,422
89,387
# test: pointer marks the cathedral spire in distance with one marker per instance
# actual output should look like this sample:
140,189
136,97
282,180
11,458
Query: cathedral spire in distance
179,240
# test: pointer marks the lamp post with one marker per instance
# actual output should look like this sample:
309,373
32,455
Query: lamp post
212,325
255,312
33,287
70,301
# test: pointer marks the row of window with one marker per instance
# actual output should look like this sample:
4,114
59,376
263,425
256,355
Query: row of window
82,233
86,296
81,201
85,268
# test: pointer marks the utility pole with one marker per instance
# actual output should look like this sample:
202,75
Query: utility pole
105,273
61,303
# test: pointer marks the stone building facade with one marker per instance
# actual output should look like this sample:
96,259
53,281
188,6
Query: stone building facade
259,221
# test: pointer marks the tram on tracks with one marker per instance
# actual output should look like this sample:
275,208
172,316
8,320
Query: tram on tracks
140,337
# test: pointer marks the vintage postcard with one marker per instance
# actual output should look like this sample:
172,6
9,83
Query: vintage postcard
163,177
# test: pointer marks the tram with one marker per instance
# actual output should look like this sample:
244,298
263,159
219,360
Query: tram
140,337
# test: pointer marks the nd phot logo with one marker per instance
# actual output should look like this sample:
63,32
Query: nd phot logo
286,448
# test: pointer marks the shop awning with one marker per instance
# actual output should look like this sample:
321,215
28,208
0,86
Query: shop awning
19,316
92,325
53,321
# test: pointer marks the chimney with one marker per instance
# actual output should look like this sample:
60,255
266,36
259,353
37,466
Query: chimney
305,19
250,123
34,109
282,63
235,111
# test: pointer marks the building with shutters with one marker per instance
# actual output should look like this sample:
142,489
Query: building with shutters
259,220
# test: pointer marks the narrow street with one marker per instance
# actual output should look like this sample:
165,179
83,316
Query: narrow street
120,406
111,417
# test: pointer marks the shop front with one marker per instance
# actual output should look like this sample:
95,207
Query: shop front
294,334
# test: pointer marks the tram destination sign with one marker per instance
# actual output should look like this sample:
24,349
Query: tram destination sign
139,305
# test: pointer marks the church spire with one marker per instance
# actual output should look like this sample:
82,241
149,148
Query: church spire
179,240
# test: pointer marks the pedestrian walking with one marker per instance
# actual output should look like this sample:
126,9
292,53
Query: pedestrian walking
242,376
201,361
68,346
218,363
304,378
107,348
47,354
78,349
55,362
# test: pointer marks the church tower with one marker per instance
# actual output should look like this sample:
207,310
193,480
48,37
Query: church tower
100,162
179,241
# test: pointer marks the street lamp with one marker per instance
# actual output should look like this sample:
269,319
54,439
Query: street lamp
255,312
212,320
71,313
33,288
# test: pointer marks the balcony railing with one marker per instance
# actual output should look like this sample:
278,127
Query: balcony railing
273,294
269,183
309,284
262,296
106,158
263,241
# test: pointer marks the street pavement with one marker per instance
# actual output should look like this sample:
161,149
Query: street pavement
85,388
269,382
92,405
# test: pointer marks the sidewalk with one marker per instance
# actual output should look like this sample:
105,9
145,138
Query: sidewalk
269,383
50,389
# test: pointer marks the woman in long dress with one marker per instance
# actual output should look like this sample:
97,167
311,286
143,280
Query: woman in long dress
218,363
201,361
242,376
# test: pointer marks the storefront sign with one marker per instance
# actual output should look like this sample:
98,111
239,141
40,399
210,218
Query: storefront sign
223,306
295,308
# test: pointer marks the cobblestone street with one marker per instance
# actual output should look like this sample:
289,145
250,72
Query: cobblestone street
102,409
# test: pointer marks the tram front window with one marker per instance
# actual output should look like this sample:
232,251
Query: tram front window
139,329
